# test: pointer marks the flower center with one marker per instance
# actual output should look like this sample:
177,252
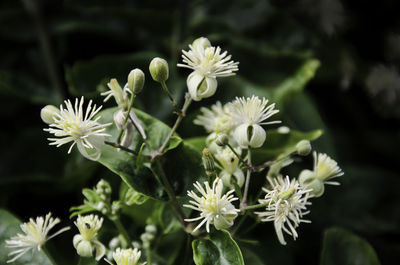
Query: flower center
210,204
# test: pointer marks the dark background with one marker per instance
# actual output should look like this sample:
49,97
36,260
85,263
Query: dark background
53,50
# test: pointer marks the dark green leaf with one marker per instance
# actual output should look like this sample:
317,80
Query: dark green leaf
141,179
220,249
341,247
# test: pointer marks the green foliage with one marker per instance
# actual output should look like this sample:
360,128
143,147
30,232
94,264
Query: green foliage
9,226
219,249
345,248
141,179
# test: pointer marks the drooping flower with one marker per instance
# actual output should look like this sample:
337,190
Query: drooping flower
86,241
126,256
73,124
250,114
214,208
325,169
207,63
216,119
286,204
35,235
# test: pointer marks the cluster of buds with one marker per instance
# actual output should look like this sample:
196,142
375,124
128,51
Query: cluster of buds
148,236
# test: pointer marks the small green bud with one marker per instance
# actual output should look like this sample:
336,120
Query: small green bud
159,69
303,147
222,140
136,81
48,113
208,162
84,248
151,229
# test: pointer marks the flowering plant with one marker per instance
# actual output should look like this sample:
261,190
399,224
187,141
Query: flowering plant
201,190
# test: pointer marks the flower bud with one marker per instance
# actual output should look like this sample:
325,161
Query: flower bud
248,135
151,229
159,70
48,113
222,140
303,147
84,248
308,180
136,81
201,86
201,43
208,162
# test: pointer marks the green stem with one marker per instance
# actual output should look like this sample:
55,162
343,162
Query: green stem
246,186
148,255
236,154
171,194
126,117
166,90
241,221
122,231
255,206
116,145
181,114
49,256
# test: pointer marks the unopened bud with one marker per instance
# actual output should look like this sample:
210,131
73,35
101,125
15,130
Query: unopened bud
208,162
303,147
48,113
151,229
222,140
159,70
136,81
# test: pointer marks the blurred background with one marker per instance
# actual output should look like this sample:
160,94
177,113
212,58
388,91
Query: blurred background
329,64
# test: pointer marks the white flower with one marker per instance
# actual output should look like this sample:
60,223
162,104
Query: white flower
214,207
86,242
120,95
325,168
286,204
126,256
216,119
71,124
35,235
207,63
250,114
230,167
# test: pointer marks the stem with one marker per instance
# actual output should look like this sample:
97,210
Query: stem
166,90
236,154
171,194
255,206
122,231
148,255
246,187
241,221
116,145
49,256
270,163
126,117
181,114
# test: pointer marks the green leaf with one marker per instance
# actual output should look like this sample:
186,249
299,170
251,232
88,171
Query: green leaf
220,249
345,248
141,179
9,226
294,84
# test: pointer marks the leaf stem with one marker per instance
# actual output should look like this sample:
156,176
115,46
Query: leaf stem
122,231
177,209
181,114
246,187
116,145
166,90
